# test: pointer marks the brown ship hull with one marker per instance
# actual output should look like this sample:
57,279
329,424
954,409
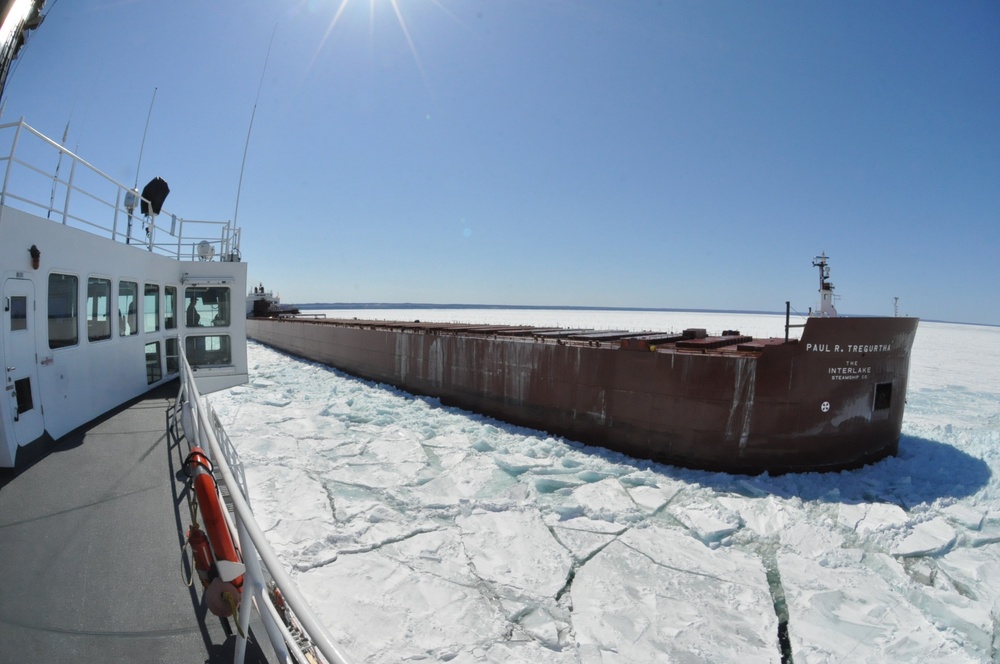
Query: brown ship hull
831,400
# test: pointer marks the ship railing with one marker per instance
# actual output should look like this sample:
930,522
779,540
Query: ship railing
295,633
43,178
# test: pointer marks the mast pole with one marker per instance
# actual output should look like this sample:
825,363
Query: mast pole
55,179
246,145
132,197
142,146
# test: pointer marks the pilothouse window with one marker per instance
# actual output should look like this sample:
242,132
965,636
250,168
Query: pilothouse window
207,306
98,309
209,350
153,370
170,308
173,356
63,314
128,302
151,308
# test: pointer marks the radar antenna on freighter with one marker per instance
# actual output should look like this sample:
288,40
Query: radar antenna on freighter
826,308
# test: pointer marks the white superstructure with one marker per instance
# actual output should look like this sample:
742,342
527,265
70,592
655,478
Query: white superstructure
96,302
826,308
271,301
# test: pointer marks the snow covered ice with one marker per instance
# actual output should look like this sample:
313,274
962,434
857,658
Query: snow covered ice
425,533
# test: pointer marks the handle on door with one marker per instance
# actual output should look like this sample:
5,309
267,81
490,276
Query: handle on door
11,368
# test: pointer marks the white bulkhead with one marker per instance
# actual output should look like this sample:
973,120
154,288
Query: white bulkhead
92,317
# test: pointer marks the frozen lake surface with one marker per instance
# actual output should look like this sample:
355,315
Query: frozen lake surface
424,533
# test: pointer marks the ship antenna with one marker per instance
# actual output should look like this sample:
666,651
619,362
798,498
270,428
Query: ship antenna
246,145
55,178
142,146
132,197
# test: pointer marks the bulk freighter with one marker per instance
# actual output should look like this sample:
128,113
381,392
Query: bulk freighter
831,400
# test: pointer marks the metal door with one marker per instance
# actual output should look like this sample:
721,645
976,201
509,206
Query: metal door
20,366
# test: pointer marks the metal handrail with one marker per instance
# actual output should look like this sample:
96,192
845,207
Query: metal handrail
202,428
110,205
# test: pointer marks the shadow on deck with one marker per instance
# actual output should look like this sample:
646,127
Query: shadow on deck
91,533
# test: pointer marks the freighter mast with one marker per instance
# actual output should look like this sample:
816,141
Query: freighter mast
826,308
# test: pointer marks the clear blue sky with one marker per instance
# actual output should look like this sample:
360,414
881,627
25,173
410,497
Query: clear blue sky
556,152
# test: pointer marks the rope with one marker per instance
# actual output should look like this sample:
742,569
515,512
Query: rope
207,465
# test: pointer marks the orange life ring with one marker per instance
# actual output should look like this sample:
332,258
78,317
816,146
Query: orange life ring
223,549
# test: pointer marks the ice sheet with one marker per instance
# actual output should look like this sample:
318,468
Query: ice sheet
423,533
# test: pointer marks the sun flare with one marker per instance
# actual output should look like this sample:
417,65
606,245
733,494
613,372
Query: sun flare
373,6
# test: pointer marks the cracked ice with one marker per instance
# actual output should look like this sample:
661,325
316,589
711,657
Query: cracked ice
424,533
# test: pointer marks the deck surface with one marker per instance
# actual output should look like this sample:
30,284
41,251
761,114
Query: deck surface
90,549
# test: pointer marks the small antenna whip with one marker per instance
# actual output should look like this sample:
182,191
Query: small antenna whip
132,197
246,145
142,146
55,179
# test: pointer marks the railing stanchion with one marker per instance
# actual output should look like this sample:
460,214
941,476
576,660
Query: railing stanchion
10,160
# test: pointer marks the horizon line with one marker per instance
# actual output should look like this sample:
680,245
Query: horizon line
565,307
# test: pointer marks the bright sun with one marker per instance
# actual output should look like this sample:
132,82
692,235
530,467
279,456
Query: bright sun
372,5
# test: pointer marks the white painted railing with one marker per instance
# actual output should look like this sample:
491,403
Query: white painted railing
201,427
44,178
